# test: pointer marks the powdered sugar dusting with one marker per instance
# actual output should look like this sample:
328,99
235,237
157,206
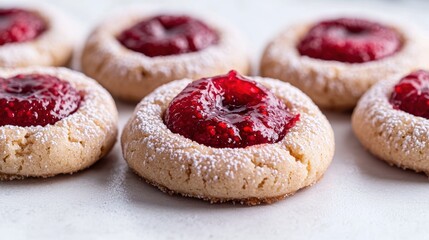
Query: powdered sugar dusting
403,131
343,82
52,47
252,165
95,120
230,46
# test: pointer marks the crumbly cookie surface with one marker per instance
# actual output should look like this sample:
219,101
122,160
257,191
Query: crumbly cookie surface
332,84
395,136
252,175
69,145
131,75
54,47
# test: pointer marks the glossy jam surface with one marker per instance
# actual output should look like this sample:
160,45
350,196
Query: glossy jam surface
411,94
350,40
168,35
18,25
229,111
36,100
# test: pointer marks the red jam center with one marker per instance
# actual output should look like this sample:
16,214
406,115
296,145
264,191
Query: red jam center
30,100
168,35
229,111
411,94
17,25
350,40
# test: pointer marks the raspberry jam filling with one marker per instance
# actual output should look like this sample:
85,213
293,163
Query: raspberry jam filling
350,40
18,25
411,94
30,100
229,111
168,35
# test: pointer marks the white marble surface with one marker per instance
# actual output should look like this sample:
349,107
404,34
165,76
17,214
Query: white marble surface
360,197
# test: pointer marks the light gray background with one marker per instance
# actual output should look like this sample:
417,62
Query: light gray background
359,197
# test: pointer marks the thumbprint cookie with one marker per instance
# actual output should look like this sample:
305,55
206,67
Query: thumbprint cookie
131,55
250,140
335,61
35,37
52,121
392,121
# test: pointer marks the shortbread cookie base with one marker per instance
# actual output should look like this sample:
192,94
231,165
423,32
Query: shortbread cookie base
397,137
71,144
214,200
266,171
332,84
54,47
10,177
130,75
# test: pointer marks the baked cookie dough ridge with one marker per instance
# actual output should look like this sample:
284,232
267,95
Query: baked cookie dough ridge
292,163
342,84
106,60
53,47
213,200
395,136
108,32
69,145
